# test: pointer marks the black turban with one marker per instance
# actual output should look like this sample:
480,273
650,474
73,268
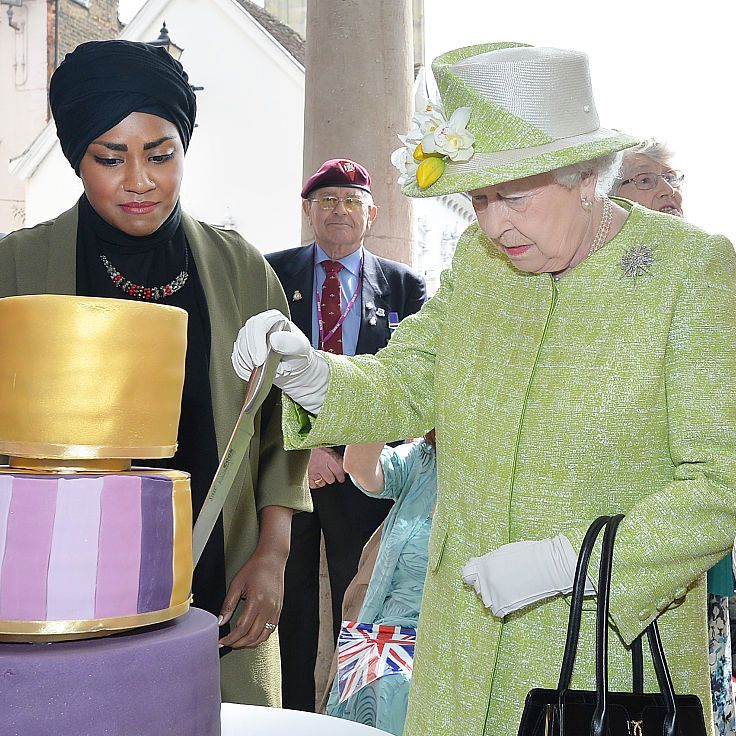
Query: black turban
101,82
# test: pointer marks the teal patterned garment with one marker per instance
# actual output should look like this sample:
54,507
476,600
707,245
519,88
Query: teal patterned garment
721,579
611,390
720,588
394,593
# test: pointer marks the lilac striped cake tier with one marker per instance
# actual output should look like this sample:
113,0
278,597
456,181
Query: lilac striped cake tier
90,554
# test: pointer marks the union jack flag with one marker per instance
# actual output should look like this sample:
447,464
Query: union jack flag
366,652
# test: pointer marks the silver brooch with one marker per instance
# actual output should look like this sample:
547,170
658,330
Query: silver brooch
373,320
637,261
297,296
380,312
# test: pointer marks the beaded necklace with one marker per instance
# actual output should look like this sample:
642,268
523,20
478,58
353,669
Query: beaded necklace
147,293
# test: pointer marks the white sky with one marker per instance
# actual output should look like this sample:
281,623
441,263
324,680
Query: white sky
662,69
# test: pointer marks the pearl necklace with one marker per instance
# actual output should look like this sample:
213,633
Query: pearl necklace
601,235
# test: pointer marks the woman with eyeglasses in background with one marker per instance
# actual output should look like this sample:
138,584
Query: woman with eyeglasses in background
648,178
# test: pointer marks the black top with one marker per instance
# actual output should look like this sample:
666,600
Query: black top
155,260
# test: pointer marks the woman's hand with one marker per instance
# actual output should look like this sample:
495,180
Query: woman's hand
519,574
302,374
260,583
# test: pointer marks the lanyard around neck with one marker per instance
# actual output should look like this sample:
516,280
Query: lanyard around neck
344,313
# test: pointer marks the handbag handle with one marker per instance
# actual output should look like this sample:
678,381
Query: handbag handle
637,666
600,715
664,679
598,726
576,604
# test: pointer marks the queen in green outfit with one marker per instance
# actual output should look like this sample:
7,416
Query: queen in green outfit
578,359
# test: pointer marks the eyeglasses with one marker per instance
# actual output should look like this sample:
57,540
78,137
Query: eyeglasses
329,202
649,179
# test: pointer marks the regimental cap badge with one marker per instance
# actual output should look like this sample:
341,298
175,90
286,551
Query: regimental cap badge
349,168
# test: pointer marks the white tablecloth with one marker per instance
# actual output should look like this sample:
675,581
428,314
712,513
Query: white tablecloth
255,720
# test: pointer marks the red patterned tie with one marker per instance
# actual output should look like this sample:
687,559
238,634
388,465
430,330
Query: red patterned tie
331,307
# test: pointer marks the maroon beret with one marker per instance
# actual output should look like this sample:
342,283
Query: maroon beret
338,172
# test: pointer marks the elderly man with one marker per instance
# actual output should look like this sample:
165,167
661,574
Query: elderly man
348,301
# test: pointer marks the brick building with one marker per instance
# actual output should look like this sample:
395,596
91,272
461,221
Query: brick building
71,22
34,36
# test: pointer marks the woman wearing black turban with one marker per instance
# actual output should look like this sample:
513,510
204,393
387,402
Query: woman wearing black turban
124,114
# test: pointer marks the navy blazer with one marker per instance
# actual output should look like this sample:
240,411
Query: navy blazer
387,285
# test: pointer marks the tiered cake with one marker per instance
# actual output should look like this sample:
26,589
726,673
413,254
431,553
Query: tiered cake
88,546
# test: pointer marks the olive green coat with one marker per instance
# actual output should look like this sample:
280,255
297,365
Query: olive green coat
556,402
237,283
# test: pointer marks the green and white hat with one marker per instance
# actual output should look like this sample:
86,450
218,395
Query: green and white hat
507,111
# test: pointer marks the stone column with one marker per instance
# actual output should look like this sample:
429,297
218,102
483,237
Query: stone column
358,97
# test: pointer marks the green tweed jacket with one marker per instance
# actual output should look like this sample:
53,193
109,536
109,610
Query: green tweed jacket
612,390
237,283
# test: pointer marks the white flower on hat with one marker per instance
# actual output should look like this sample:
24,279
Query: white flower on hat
451,138
431,141
426,121
404,161
428,115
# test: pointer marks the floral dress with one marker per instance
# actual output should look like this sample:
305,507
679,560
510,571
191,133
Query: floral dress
720,586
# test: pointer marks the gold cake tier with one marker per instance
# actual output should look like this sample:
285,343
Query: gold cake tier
85,378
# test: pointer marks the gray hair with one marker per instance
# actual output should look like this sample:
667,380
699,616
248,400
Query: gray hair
605,168
650,147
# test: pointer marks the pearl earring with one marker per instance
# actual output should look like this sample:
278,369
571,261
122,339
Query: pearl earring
587,204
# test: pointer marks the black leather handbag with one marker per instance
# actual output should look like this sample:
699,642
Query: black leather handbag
566,712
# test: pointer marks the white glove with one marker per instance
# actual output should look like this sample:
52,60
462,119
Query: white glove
521,573
303,374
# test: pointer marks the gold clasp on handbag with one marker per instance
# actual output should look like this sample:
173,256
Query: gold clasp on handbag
635,728
548,720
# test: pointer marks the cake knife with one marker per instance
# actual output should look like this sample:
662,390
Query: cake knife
259,384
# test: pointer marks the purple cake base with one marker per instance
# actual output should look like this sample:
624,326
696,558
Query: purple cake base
151,682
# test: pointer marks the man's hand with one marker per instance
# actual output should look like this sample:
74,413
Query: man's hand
325,467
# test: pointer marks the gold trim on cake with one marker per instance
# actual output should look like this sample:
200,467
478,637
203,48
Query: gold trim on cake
181,499
31,631
75,465
88,378
48,451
